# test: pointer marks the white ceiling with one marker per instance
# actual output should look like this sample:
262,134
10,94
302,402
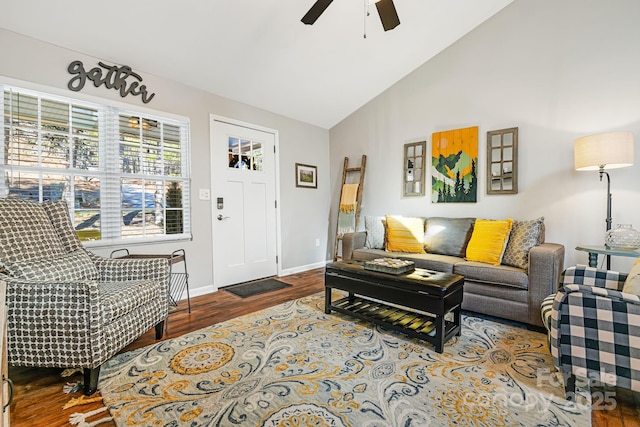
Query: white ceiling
257,51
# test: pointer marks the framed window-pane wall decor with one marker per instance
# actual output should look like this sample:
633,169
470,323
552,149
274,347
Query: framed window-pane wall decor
502,161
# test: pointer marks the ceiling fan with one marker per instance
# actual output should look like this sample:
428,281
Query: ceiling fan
386,11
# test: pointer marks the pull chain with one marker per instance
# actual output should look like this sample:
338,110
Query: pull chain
366,14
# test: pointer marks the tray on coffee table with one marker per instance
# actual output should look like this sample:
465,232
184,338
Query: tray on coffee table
390,265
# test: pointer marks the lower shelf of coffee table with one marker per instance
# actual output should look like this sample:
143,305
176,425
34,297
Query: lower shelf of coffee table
418,325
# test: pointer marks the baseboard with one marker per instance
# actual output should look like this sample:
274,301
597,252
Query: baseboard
196,292
208,289
302,268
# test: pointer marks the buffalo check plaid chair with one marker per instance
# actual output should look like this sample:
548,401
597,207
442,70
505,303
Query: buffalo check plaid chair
594,329
66,307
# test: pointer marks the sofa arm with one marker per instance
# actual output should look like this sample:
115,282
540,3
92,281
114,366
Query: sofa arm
117,270
58,315
591,276
352,241
594,292
80,299
546,262
595,334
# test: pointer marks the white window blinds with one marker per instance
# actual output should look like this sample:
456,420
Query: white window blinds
124,175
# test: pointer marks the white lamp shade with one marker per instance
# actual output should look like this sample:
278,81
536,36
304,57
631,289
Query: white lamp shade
605,150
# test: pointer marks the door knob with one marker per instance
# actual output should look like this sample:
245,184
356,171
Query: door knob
220,217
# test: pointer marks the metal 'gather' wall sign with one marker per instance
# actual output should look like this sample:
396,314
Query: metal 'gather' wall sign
111,76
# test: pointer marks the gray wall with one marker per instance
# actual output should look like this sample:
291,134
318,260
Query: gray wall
304,212
557,70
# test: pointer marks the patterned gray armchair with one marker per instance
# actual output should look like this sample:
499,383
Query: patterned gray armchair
593,328
66,307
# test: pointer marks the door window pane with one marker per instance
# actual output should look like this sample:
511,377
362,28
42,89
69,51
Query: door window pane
245,154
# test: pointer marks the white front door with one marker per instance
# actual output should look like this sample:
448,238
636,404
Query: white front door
244,203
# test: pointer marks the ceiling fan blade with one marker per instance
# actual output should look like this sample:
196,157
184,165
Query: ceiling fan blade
388,14
316,10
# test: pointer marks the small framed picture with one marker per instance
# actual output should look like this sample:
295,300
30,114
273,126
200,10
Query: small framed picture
306,176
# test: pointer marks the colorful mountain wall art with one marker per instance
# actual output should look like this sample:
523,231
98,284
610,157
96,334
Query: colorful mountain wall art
454,166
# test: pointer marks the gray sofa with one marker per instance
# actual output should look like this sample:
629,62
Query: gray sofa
506,291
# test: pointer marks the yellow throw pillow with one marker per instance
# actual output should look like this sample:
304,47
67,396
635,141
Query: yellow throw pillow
632,284
489,240
405,234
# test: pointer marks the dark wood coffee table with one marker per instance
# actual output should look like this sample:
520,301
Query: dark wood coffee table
413,303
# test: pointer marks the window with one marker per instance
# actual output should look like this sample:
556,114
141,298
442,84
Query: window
124,175
245,154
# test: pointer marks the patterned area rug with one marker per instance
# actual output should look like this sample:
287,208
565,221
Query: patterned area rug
293,365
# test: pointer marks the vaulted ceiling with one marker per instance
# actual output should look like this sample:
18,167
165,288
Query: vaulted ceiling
258,51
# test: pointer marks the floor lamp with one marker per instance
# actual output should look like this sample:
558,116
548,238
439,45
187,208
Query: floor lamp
600,152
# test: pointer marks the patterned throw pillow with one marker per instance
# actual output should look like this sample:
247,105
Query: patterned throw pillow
405,234
524,236
489,240
71,267
632,284
375,228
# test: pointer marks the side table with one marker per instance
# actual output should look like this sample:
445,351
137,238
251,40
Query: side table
178,281
594,251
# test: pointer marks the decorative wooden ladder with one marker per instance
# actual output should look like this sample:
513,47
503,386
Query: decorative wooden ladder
348,172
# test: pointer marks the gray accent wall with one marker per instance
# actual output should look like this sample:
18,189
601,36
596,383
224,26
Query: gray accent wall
303,212
557,70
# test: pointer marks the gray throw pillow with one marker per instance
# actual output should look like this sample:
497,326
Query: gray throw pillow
524,236
448,236
375,228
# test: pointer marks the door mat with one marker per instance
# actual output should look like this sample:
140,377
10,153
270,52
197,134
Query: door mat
248,289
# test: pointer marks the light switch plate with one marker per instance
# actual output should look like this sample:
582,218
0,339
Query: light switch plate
205,194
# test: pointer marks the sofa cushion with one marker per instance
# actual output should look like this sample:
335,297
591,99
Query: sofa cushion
632,283
26,232
120,298
497,292
72,267
375,228
492,274
448,236
405,234
489,240
524,235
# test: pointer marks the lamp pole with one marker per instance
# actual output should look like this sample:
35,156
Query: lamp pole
608,220
609,150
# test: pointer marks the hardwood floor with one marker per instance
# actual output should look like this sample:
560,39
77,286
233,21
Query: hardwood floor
39,399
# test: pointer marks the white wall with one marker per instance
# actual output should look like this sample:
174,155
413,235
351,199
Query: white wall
304,212
557,70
